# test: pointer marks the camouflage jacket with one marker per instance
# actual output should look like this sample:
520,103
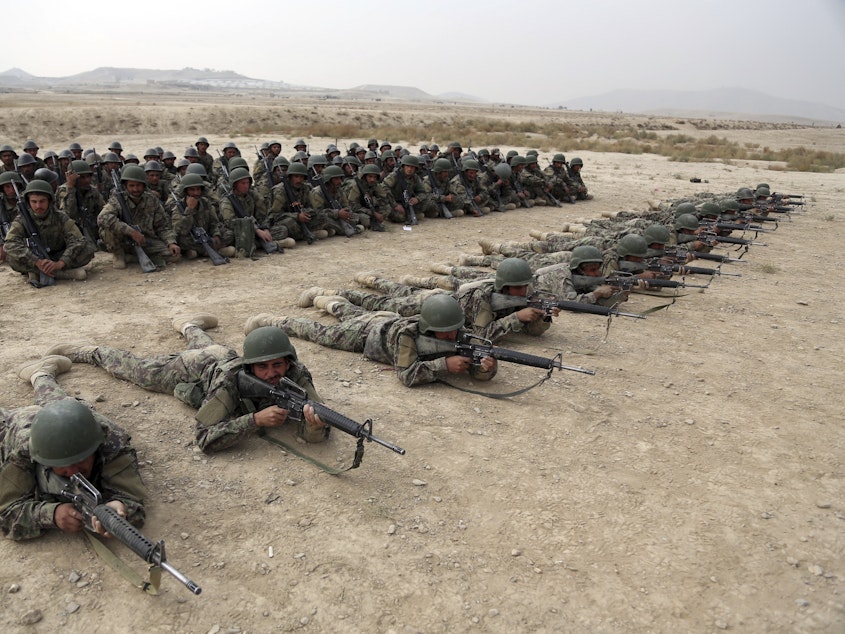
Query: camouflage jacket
476,300
281,205
357,188
251,204
317,200
9,207
147,214
414,186
58,233
82,206
204,217
30,493
464,188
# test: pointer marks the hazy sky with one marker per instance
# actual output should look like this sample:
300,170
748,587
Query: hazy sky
529,52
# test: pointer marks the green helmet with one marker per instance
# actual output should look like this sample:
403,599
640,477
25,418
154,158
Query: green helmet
762,192
766,185
433,148
511,154
709,209
297,169
532,153
576,161
131,158
93,159
634,245
153,166
191,152
37,186
317,159
503,171
237,162
151,153
202,139
8,148
440,313
584,254
685,208
133,173
744,192
280,160
484,152
531,159
111,157
470,164
27,159
371,169
332,171
230,145
238,175
387,154
559,158
512,272
686,221
440,165
8,177
267,343
63,433
656,233
190,180
115,145
197,168
728,204
518,160
30,145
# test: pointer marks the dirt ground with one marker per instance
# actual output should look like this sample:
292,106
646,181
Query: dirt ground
694,484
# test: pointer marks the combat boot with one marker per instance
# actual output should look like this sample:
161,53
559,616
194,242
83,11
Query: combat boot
367,279
321,234
306,298
472,260
441,268
203,321
287,243
328,303
50,365
72,274
227,252
257,321
488,246
76,351
422,282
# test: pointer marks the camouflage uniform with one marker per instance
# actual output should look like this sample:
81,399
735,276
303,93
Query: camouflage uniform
29,492
437,192
416,189
317,200
148,215
204,377
9,207
204,217
403,299
465,189
558,178
207,161
534,183
382,336
476,299
82,206
281,214
58,233
356,188
504,189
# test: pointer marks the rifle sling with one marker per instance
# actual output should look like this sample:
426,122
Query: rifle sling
500,395
105,553
356,462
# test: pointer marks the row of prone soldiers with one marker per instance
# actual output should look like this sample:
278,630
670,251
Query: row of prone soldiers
222,213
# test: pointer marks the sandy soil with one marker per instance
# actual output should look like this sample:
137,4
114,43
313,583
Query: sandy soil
695,484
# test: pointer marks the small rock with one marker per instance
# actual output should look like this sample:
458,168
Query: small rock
32,617
304,620
492,612
690,421
477,410
70,608
722,625
418,483
14,588
290,483
304,522
184,535
82,584
516,552
346,384
802,603
816,570
437,498
766,515
74,576
214,629
629,394
802,302
823,505
99,398
391,530
792,561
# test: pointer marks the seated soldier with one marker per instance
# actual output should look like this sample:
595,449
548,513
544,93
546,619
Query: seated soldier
191,212
205,377
389,338
244,215
43,445
67,250
291,207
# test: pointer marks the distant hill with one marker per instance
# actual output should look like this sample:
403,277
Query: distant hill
394,92
715,103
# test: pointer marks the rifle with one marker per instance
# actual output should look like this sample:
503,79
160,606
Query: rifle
547,302
290,396
348,229
438,191
87,500
679,254
33,240
733,226
476,348
406,199
309,235
87,225
475,207
147,265
269,246
375,225
558,172
268,168
519,189
200,235
5,225
626,282
711,237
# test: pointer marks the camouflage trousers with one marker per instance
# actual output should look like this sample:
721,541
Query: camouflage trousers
47,390
350,334
399,298
162,373
84,257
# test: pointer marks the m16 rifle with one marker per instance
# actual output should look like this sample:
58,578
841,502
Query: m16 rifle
296,208
348,229
681,255
269,246
33,240
87,223
147,265
476,209
87,500
406,199
548,302
476,348
293,398
375,224
200,235
519,189
438,191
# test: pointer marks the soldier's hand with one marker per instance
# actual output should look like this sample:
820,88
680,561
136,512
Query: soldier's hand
399,208
68,519
528,315
216,242
311,417
2,254
118,507
414,201
272,416
458,365
449,198
376,214
603,291
263,234
344,214
191,202
488,364
174,249
71,177
303,217
49,267
137,237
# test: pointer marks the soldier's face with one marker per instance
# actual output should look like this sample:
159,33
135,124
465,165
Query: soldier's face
471,174
153,178
33,152
230,153
39,203
409,170
135,189
83,181
7,157
192,159
271,371
194,192
516,291
77,154
450,335
202,147
242,186
296,180
8,190
83,466
371,178
591,269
